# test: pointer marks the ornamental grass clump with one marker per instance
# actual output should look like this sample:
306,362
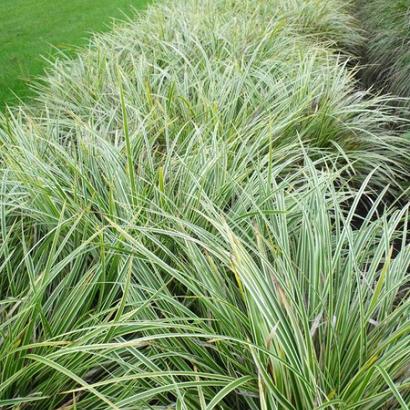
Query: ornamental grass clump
263,73
388,47
178,220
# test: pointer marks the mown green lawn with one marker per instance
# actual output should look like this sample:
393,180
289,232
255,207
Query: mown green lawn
30,29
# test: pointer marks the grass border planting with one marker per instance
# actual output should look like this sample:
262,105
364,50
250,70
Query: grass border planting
178,214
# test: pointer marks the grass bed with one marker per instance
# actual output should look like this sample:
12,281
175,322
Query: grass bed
174,231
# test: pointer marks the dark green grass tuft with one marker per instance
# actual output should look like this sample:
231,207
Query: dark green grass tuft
388,45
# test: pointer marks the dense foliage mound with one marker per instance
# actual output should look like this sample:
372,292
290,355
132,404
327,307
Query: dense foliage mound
182,222
388,46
